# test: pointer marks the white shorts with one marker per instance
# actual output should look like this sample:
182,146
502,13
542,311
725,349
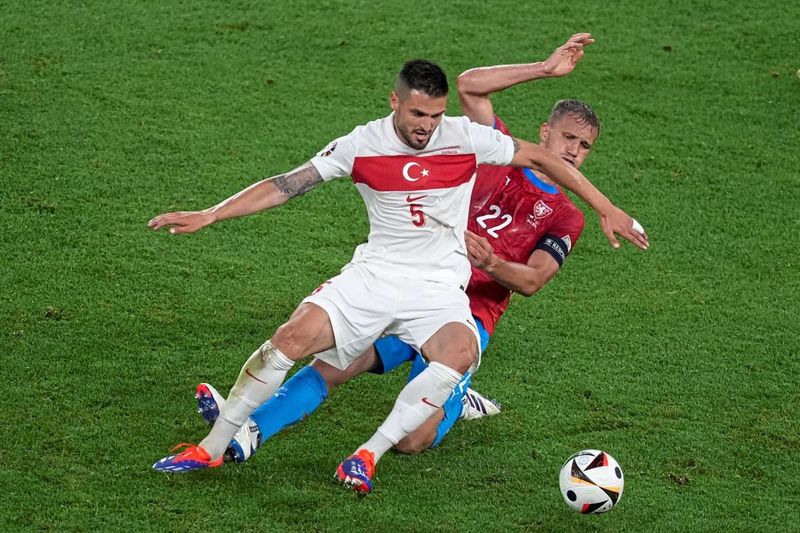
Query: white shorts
363,307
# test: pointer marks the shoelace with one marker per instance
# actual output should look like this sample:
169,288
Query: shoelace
187,445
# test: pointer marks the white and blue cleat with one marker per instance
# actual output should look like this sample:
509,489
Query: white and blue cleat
475,405
245,442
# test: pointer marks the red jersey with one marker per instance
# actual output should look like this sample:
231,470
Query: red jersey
517,213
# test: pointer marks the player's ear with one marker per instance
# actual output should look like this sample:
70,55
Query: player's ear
394,101
544,132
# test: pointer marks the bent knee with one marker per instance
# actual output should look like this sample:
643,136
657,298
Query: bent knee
289,338
462,356
308,331
453,345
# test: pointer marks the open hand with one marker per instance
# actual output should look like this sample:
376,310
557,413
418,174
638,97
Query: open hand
563,60
618,222
182,221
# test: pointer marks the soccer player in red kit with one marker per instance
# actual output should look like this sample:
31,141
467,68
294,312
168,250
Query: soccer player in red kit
520,229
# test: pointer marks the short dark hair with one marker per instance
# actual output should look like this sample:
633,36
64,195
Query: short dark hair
423,76
580,110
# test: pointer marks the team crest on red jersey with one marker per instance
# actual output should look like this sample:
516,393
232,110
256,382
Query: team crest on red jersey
541,210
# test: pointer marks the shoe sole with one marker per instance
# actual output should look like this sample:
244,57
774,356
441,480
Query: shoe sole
354,484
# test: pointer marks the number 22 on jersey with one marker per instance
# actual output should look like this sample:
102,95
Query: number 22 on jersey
493,217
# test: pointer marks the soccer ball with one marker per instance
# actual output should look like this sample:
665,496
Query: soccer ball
591,481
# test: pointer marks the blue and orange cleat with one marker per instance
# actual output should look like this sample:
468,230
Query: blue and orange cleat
192,458
356,472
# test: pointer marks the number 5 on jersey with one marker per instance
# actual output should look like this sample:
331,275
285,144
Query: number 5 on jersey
417,214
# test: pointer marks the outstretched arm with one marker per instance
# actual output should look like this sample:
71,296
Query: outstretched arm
264,194
613,220
475,85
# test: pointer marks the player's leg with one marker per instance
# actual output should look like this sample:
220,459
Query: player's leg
338,321
418,364
452,350
294,401
308,331
302,394
333,376
423,437
390,353
462,403
248,437
309,387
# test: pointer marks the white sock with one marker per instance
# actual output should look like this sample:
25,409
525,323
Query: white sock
377,444
418,400
260,377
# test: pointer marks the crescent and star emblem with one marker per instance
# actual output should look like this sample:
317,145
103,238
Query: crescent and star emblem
407,168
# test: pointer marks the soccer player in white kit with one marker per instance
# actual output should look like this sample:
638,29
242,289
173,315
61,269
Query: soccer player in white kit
415,170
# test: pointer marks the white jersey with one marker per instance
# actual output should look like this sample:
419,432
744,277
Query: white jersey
417,200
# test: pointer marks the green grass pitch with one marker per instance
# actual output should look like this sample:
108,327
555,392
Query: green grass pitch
683,362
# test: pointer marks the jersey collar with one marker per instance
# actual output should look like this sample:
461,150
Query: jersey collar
549,188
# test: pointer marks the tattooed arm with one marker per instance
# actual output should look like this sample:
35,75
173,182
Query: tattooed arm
264,194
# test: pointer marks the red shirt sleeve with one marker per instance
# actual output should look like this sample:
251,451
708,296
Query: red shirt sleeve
500,126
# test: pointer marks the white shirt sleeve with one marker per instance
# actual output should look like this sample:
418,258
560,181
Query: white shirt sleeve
491,146
336,159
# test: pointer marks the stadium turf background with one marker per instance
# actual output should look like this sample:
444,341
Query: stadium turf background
682,362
